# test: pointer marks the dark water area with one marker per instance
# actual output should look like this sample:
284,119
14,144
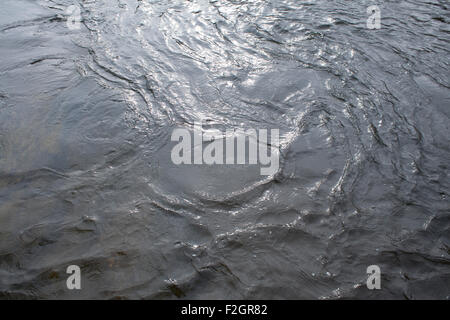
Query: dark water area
86,178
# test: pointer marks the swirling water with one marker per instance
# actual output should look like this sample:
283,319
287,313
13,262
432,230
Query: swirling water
86,178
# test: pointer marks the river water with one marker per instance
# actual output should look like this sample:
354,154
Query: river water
86,178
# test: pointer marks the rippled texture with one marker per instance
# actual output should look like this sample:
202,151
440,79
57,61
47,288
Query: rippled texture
85,172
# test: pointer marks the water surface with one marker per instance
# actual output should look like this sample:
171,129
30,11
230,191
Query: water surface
86,177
